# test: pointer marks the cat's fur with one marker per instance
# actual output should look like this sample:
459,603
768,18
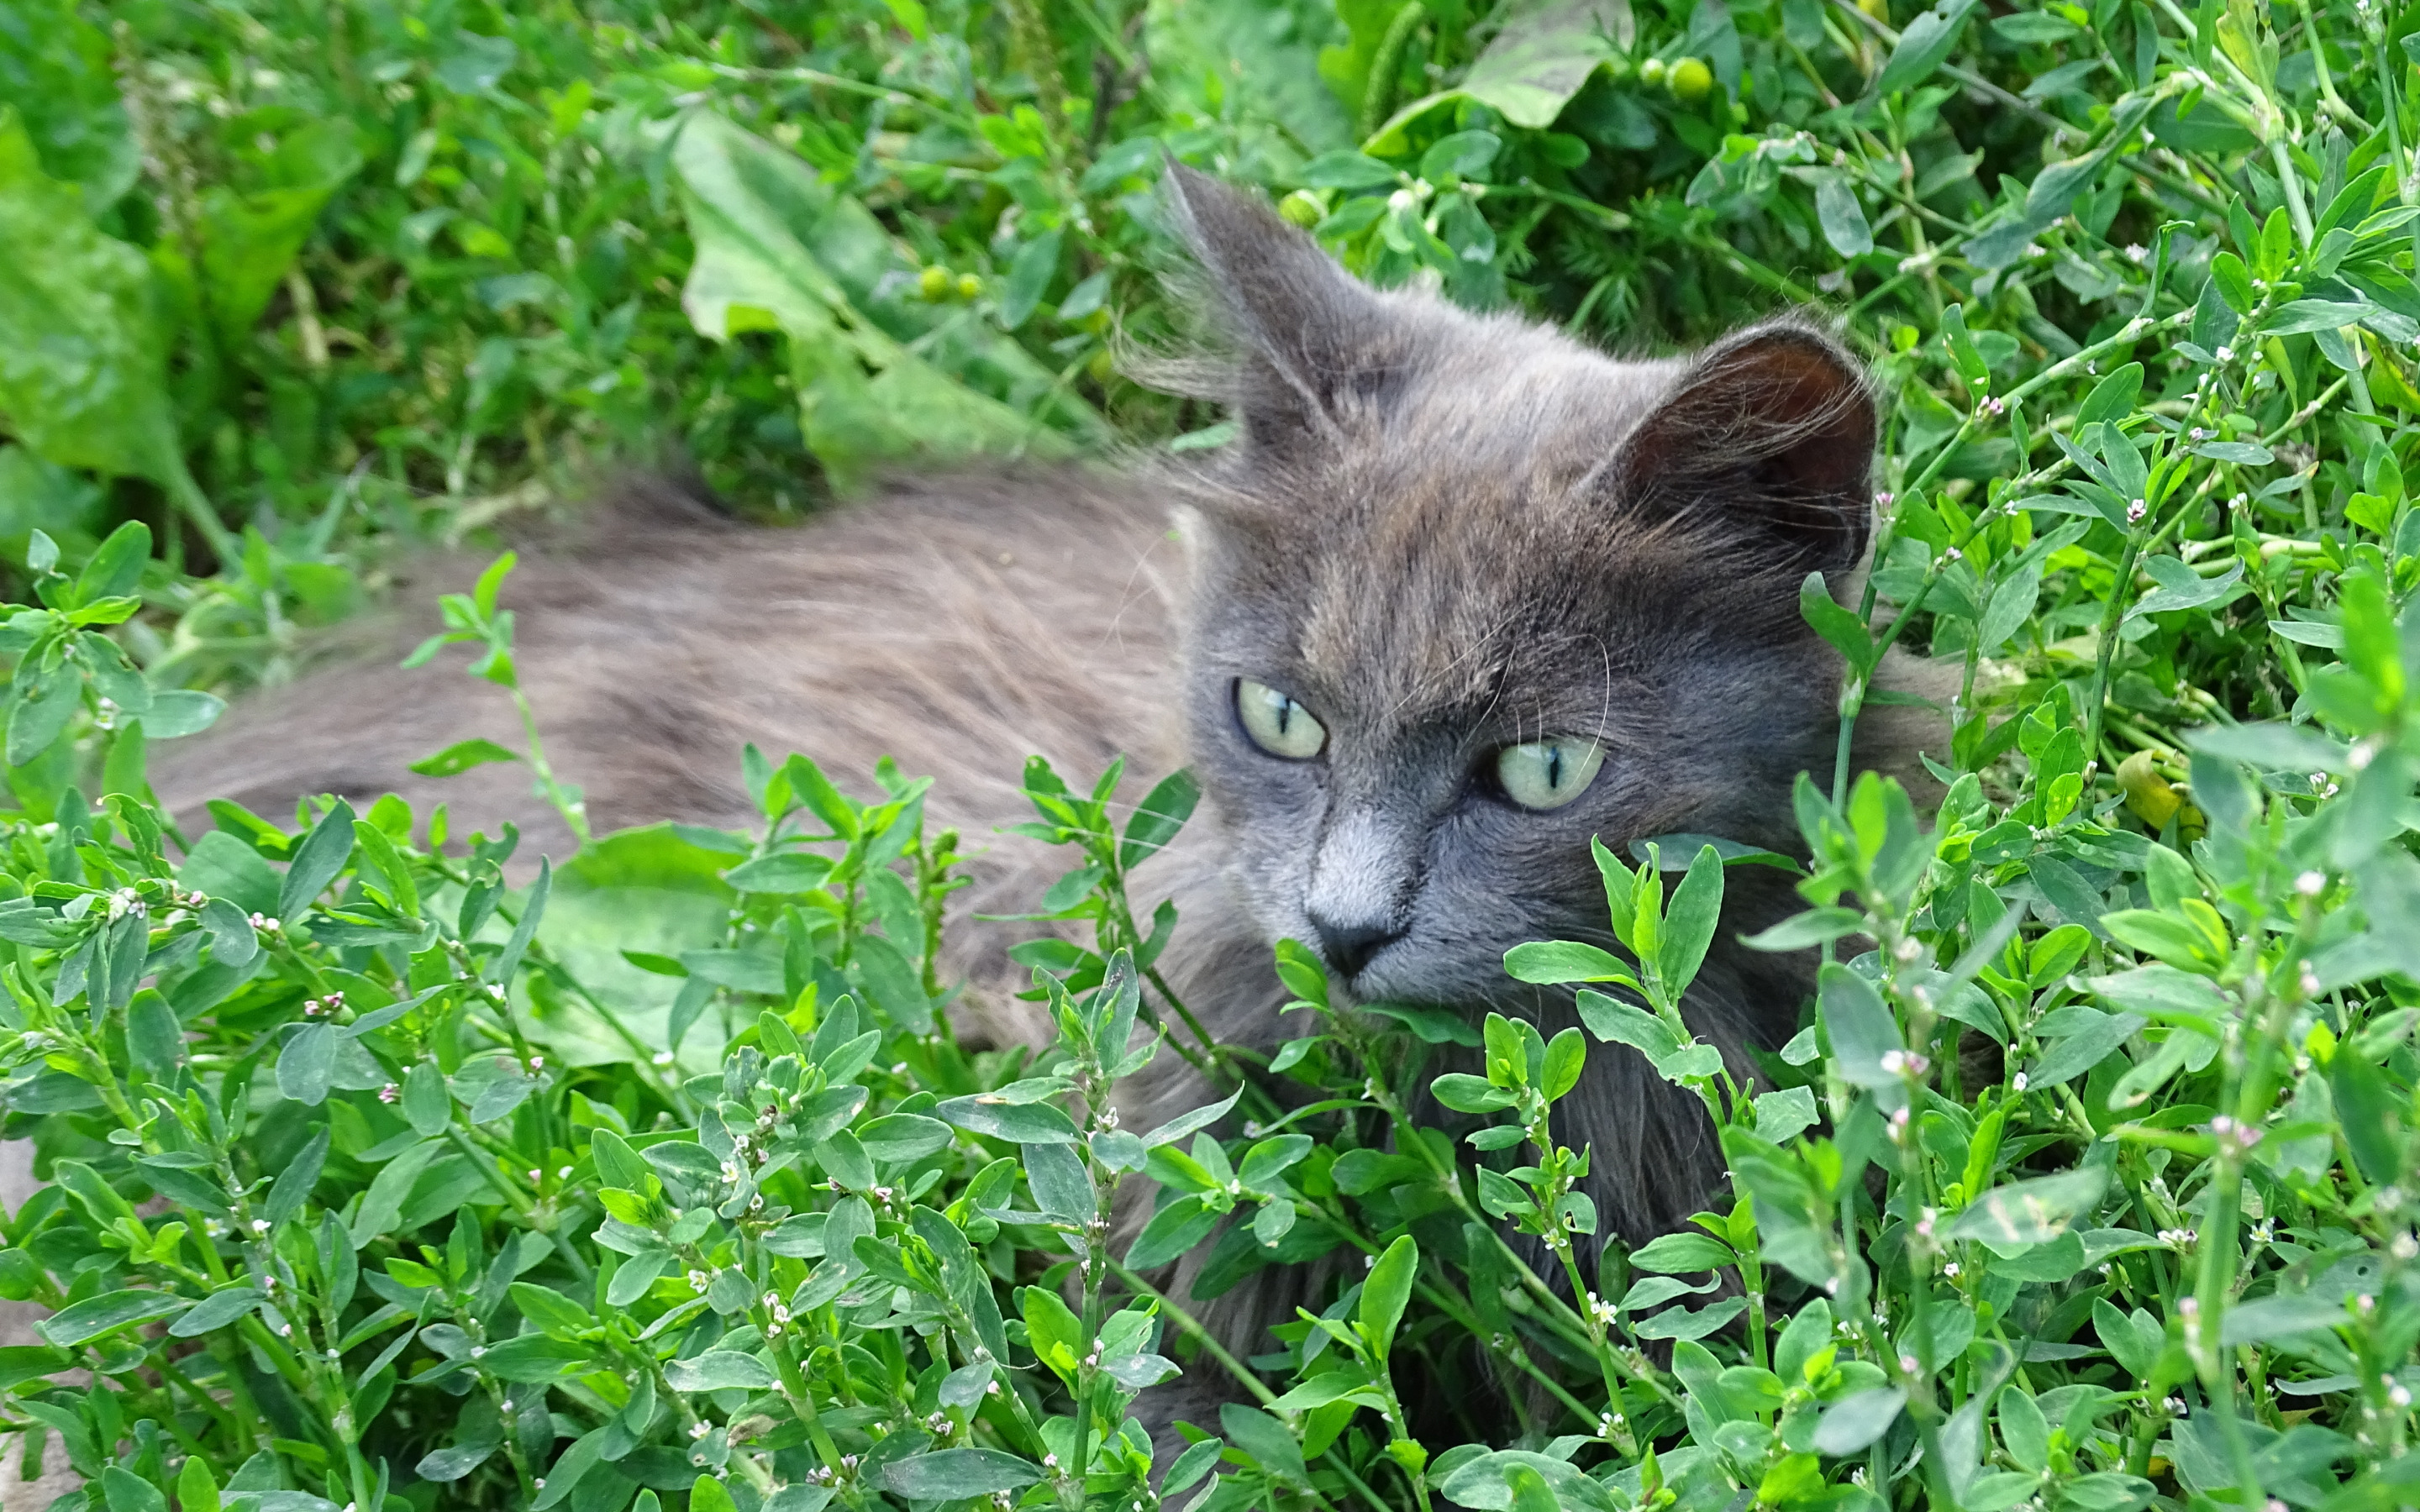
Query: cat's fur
1443,532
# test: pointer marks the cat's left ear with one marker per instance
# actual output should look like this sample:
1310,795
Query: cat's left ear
1767,438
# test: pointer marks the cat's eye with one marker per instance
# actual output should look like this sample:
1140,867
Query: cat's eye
1276,723
1547,774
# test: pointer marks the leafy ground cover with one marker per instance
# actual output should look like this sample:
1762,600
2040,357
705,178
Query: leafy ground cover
375,1183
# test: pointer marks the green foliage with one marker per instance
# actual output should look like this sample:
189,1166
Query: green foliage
378,1177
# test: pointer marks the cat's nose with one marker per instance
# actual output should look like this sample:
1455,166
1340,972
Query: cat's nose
1349,944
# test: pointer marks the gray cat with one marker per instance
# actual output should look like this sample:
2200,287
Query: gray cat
1462,595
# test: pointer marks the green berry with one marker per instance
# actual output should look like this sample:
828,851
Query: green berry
1690,79
933,282
1303,208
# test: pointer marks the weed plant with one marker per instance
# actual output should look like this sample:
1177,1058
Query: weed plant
375,1182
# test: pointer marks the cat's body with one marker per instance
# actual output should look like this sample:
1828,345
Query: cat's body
1440,536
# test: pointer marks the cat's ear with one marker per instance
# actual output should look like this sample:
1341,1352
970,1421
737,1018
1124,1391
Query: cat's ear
1309,333
1767,438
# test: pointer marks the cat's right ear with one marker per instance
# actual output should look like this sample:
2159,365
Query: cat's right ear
1308,334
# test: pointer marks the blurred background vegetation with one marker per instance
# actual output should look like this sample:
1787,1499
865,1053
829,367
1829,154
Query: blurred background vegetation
299,282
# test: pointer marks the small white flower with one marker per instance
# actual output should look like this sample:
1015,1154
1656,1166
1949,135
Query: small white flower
1909,1365
2226,354
664,1057
260,1225
2136,511
2020,1081
2311,884
699,1430
390,1092
478,1352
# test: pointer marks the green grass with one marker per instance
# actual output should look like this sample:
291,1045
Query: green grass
399,1184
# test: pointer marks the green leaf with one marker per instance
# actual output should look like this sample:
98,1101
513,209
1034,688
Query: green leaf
1860,1024
317,862
198,1490
462,756
307,1065
43,709
249,238
126,1491
1841,627
1466,1093
294,1182
1561,961
1924,46
1162,812
1186,1123
956,1474
1856,1420
83,347
118,566
427,1103
2112,399
1028,278
1544,54
1172,1230
1620,1022
1800,931
1843,218
1962,350
56,68
1022,1123
784,871
720,1371
216,1311
878,377
1566,1054
1681,1254
710,1495
95,1317
1689,923
1385,1292
2029,1213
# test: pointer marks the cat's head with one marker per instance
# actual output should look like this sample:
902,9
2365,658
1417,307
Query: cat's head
1468,593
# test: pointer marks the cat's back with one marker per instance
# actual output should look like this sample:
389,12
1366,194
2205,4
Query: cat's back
955,625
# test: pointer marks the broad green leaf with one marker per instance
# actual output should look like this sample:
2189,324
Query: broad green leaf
96,1316
1544,54
2029,1213
957,1474
83,344
1856,1420
216,1311
1843,218
1924,46
719,1371
1561,961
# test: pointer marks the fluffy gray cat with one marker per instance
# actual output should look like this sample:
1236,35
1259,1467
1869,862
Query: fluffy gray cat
1462,595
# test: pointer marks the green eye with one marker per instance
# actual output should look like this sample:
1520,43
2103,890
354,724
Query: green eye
1276,723
1547,774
